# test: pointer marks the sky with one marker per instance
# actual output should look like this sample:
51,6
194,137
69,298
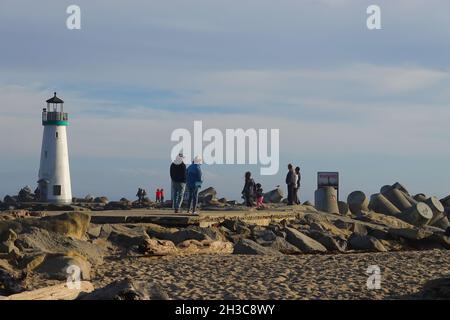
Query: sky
371,104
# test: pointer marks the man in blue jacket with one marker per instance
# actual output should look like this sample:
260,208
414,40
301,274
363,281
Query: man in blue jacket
194,183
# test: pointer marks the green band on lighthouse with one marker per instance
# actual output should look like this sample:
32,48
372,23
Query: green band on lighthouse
55,123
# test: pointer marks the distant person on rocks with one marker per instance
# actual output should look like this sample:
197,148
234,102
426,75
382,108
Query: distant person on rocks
144,194
194,183
259,196
161,197
290,183
298,177
139,195
178,177
249,189
158,195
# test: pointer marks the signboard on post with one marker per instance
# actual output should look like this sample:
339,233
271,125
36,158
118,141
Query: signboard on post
328,179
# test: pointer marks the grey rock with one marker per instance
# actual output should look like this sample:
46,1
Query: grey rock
369,243
328,241
303,242
280,244
247,246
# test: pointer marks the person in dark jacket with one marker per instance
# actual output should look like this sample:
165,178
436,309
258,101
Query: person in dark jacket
298,177
290,183
249,189
194,183
178,177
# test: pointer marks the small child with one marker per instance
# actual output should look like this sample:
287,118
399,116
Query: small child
158,195
259,196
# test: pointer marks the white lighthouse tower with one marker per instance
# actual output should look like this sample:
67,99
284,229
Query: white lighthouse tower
54,172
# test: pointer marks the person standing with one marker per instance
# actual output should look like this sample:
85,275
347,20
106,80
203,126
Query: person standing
249,189
139,195
178,177
298,177
290,183
259,196
161,195
194,183
158,196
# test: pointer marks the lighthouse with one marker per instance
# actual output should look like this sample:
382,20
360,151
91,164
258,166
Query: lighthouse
54,173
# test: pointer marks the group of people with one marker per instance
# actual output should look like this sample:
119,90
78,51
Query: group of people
252,191
159,195
183,180
189,180
293,178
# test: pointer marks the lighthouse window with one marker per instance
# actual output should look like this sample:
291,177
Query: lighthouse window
56,134
56,190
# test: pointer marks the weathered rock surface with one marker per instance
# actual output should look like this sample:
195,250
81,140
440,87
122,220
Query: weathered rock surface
303,242
370,243
247,246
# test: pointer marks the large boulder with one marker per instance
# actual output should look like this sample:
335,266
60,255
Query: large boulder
410,234
280,244
337,244
303,242
247,246
274,196
71,224
128,289
157,247
368,243
26,195
207,195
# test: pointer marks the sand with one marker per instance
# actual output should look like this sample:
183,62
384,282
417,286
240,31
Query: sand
340,276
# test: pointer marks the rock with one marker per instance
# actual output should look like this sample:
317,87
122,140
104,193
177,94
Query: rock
262,235
94,231
232,202
343,208
207,195
157,247
223,200
212,233
237,226
379,203
41,240
411,234
246,246
437,289
88,198
357,201
303,242
329,242
359,229
60,267
274,196
418,215
205,247
324,225
128,289
118,205
10,201
420,197
307,203
71,224
187,234
381,219
280,244
26,195
358,242
400,187
445,201
102,200
127,236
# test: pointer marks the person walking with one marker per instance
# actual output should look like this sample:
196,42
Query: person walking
194,183
139,195
178,177
298,177
249,189
290,183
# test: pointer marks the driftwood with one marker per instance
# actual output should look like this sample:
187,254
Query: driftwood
56,292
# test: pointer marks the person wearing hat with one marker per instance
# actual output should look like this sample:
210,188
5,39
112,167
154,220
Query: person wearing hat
194,183
178,177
